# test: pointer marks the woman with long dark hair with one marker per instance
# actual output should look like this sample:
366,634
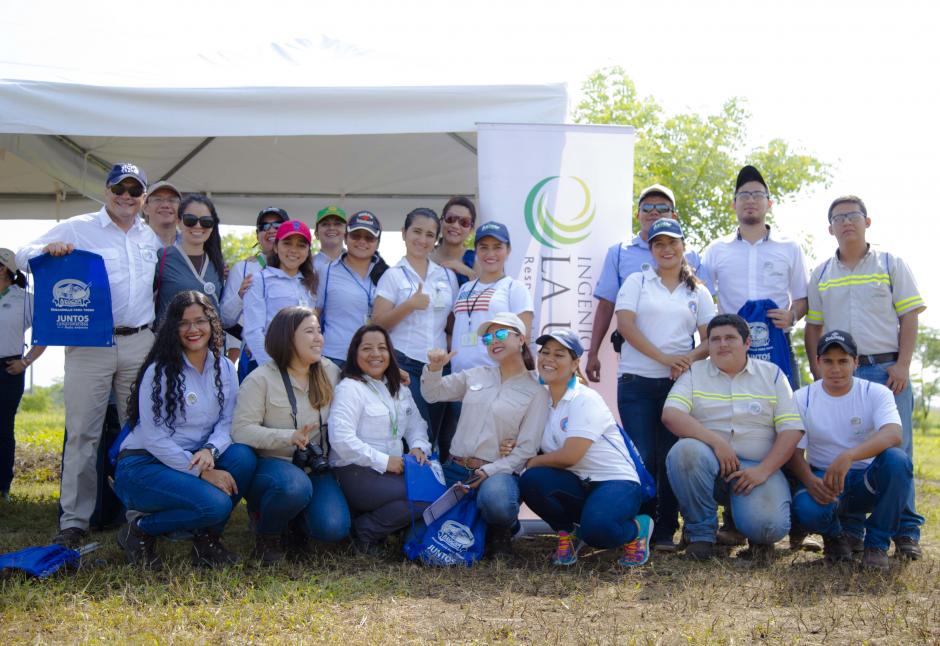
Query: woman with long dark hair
178,465
458,217
16,316
195,261
287,504
288,280
370,418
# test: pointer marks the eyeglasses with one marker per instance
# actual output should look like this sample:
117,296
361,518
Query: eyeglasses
120,189
500,335
190,220
450,218
852,216
659,208
267,226
163,200
198,323
751,195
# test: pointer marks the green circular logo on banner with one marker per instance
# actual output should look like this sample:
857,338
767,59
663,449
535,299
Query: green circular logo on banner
552,230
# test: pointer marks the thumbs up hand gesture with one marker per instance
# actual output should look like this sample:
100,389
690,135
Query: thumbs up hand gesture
419,300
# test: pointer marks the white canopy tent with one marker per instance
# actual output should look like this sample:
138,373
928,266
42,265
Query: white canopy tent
251,131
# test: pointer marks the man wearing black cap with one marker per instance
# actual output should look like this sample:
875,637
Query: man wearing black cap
129,247
852,463
873,295
242,273
161,211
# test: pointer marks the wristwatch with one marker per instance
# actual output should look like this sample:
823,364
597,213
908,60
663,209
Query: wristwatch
214,452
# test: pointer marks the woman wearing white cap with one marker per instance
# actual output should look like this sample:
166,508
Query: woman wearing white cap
584,477
500,403
658,312
16,316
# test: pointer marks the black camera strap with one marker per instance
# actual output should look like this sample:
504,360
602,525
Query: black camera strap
293,410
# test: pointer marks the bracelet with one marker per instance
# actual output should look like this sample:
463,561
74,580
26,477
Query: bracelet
26,361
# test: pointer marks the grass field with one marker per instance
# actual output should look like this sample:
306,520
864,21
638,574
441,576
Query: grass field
337,597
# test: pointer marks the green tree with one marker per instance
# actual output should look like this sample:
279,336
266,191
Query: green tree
697,156
927,382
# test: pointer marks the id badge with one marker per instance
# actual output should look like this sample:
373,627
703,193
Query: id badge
468,339
440,296
366,319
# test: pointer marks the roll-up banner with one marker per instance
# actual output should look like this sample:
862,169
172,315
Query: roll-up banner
565,192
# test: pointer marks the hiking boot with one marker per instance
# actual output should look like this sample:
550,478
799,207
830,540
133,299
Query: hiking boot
140,548
565,553
364,547
906,547
801,540
855,543
836,549
208,550
296,541
875,559
498,541
758,553
637,551
729,536
665,545
268,549
70,537
700,550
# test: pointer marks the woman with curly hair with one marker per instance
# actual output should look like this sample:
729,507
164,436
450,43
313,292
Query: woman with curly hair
179,466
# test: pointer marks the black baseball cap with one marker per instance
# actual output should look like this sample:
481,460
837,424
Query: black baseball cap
749,174
838,338
272,210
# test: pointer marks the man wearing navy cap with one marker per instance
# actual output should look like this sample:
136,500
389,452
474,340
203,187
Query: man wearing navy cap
852,463
129,247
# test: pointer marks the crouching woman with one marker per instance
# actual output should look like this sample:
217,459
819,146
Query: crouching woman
287,429
585,477
179,466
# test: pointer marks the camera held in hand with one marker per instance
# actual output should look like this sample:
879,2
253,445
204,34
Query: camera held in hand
311,459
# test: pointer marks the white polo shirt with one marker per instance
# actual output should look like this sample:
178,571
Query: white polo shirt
16,316
477,302
422,329
667,319
130,259
748,410
836,424
583,413
773,268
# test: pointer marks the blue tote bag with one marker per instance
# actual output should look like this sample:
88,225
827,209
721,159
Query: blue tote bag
768,342
455,538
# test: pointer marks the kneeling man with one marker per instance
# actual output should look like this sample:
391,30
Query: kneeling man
738,425
852,463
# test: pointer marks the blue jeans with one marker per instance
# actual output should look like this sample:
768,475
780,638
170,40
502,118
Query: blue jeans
177,502
280,492
882,488
604,510
433,414
11,391
497,496
911,521
640,404
763,516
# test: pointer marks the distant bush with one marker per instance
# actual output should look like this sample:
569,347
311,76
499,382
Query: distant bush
38,401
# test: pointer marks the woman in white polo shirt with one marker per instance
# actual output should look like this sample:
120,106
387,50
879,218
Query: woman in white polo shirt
658,312
584,475
413,301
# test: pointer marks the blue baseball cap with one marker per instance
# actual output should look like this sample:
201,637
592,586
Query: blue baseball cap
124,170
492,230
364,221
565,337
665,227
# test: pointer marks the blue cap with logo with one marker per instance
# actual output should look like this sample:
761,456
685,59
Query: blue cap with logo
838,338
565,337
492,230
665,227
364,221
123,171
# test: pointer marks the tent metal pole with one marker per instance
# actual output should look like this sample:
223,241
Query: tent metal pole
185,160
72,145
463,142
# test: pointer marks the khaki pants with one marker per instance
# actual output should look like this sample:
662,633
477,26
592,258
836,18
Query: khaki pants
90,375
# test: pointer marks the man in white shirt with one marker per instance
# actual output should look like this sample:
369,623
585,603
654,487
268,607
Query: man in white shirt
852,463
161,211
129,248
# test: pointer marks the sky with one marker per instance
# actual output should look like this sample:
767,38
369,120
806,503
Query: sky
852,83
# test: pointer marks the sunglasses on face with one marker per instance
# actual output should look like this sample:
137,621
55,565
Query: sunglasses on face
190,220
450,218
120,189
659,208
267,226
499,335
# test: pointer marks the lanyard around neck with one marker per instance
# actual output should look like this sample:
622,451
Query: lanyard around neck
389,405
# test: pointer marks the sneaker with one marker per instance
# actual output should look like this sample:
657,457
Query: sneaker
836,549
801,540
208,551
367,548
700,550
268,549
70,537
757,552
665,545
140,548
855,543
906,547
875,559
498,541
637,551
565,553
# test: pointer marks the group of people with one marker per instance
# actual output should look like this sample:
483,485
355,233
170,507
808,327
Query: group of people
346,364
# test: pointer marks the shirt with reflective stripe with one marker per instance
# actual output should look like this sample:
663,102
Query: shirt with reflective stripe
748,409
865,301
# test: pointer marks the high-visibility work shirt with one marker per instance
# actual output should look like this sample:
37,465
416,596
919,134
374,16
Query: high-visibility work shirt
866,301
748,410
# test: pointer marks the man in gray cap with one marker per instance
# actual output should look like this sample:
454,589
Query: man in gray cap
129,248
161,211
